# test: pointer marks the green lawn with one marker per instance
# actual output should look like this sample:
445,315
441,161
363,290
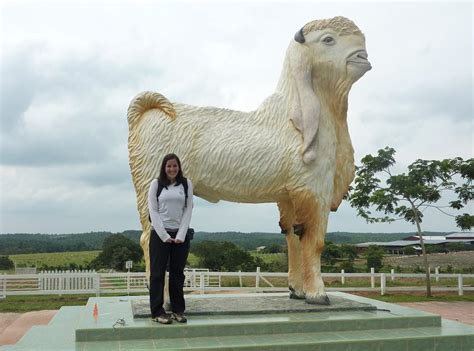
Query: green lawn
40,302
20,304
28,303
419,297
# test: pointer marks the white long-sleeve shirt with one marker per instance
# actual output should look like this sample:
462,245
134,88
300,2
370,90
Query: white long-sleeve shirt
168,211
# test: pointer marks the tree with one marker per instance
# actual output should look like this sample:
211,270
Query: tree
116,250
273,248
349,251
456,247
224,256
348,266
406,195
374,257
330,253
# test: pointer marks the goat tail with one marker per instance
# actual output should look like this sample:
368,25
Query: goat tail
148,100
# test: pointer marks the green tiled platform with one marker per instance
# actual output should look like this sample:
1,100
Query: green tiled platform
388,327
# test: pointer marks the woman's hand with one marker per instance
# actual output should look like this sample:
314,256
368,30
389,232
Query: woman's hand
177,241
170,241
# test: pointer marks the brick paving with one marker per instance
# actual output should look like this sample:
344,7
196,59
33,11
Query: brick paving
461,311
15,325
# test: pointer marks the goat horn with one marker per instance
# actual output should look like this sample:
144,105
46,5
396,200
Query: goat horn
299,36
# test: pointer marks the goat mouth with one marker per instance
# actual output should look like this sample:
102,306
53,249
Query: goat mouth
360,63
359,57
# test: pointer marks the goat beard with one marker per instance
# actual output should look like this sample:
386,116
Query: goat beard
333,86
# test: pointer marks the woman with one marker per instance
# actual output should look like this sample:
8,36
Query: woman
170,203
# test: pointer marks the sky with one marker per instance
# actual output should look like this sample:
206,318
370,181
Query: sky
69,69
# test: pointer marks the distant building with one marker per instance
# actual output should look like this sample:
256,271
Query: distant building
398,247
425,237
261,248
469,236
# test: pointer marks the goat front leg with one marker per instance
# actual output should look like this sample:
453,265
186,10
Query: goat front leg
313,216
295,273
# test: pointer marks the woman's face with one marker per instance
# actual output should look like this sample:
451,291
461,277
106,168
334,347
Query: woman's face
171,169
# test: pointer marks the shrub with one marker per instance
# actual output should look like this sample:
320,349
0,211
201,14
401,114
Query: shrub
116,250
6,263
225,256
374,257
348,266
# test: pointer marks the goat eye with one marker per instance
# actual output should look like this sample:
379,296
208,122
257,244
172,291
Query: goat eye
328,40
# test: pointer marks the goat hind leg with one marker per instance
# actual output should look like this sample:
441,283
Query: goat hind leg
295,274
314,217
312,245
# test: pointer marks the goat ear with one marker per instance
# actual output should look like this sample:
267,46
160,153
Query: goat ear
306,106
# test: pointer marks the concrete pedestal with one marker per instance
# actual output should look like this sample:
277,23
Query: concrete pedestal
250,322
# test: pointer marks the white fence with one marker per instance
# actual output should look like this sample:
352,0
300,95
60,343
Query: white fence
3,286
201,280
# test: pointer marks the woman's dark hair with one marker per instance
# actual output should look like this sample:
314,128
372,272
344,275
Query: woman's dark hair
163,179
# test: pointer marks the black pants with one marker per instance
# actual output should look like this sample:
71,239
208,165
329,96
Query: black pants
160,254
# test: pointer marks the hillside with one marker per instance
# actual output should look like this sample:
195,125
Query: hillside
32,243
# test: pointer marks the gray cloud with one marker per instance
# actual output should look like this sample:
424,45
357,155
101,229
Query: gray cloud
55,111
17,85
64,96
112,172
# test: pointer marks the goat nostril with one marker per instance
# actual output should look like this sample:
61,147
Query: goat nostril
362,55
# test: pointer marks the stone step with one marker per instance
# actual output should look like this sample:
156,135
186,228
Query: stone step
343,315
67,315
198,326
448,337
47,337
404,339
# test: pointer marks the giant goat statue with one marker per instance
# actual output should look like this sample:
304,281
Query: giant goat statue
294,150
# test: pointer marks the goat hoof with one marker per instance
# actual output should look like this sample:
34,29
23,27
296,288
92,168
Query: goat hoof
296,294
318,300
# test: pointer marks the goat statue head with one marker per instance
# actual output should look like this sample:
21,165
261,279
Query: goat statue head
326,58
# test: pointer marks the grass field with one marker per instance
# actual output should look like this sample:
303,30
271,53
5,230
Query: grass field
270,257
456,260
79,258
